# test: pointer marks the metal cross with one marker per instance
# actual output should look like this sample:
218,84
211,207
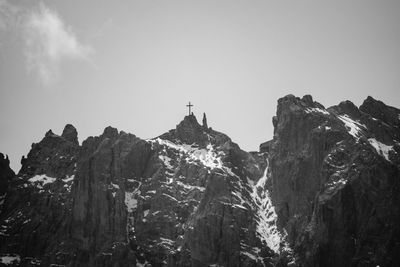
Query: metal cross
190,106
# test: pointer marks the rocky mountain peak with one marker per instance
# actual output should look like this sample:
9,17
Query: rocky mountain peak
293,108
205,125
110,132
6,173
292,103
70,133
4,160
307,99
189,130
381,111
347,107
49,133
323,192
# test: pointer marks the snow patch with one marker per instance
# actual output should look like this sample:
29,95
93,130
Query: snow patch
190,187
41,180
130,201
9,259
380,148
266,215
318,110
167,161
353,127
206,156
115,186
68,178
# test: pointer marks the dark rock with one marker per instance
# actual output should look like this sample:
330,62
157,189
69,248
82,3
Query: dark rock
205,126
266,146
6,174
34,218
70,134
379,110
323,192
336,195
308,99
189,130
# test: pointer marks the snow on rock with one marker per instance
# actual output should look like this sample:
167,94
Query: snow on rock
353,127
266,215
380,148
68,178
146,263
207,157
167,161
193,154
130,201
41,180
10,259
319,110
191,187
336,182
253,255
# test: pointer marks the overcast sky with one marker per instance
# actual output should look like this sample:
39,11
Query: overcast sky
135,64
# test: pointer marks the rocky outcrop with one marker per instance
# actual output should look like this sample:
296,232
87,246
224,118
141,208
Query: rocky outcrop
70,133
205,125
99,215
323,192
35,215
190,197
6,174
335,175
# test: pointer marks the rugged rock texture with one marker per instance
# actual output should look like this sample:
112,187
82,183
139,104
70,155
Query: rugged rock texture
6,174
323,192
190,197
335,181
35,214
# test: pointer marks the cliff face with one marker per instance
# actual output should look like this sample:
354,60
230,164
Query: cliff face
35,213
190,197
6,174
323,192
335,181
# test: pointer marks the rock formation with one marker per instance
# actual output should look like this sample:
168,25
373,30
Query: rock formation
324,192
205,125
6,174
335,181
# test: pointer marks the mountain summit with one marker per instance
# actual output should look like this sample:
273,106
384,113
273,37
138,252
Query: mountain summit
323,192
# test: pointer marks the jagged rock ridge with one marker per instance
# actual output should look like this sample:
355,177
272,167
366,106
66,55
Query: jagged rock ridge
323,192
335,181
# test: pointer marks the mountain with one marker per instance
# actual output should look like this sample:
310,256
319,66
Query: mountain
323,192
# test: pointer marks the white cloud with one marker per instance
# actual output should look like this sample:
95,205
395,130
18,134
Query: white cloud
49,42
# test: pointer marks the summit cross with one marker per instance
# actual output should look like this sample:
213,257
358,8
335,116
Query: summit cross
190,106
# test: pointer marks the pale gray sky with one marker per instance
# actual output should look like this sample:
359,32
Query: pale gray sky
135,64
